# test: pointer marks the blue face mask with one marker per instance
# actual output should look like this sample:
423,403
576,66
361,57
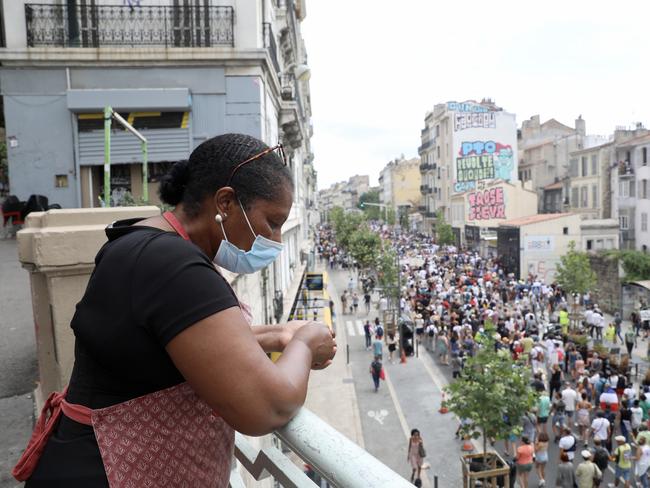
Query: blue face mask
263,252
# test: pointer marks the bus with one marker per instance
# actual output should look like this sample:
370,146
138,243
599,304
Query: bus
312,301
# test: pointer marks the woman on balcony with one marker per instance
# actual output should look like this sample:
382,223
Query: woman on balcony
166,363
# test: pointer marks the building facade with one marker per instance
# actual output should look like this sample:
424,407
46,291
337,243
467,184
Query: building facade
463,147
179,73
475,215
589,182
399,185
629,174
533,245
343,194
545,152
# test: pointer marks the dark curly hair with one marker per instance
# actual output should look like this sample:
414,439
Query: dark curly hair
210,165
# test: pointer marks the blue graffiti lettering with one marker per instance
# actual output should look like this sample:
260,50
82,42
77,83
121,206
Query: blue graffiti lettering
478,148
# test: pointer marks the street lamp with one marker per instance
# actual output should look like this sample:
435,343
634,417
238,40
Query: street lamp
380,205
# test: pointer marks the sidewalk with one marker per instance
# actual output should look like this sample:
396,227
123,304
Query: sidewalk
409,398
17,361
331,393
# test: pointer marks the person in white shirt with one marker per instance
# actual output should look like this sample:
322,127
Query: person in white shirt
569,397
600,427
551,356
568,443
637,416
642,459
589,321
599,324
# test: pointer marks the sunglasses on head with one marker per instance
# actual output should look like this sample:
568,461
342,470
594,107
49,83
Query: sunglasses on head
277,147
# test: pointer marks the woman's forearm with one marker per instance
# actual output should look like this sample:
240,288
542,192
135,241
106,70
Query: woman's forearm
271,338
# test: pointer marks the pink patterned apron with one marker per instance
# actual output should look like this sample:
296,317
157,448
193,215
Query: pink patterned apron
166,438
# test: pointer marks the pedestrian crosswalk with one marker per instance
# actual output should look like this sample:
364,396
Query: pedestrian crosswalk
354,327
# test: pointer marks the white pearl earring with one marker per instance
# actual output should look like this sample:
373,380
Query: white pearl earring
218,218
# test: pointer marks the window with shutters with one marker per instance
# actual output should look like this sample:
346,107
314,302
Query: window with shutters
594,164
594,196
573,168
624,222
584,167
574,197
644,222
584,197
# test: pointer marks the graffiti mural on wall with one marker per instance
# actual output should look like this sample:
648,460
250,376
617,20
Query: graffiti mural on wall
487,204
484,160
466,107
460,187
464,121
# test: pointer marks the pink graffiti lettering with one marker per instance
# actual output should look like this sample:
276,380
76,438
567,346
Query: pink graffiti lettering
487,204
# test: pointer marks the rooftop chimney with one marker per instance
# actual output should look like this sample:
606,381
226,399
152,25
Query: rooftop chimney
581,126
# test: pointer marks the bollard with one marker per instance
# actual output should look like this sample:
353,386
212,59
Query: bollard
435,481
347,350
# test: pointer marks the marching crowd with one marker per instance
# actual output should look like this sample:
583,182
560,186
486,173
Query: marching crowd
587,404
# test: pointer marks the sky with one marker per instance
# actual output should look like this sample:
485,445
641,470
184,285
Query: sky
377,67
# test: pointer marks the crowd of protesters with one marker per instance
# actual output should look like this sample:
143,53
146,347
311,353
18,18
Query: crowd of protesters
587,403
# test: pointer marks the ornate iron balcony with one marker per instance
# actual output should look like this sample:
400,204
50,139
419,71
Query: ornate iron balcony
128,26
332,455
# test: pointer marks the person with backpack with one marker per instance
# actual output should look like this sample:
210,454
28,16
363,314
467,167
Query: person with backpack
622,456
568,443
587,472
376,369
379,330
600,457
367,332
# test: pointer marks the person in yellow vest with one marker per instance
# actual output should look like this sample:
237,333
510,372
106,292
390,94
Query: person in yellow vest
622,456
564,321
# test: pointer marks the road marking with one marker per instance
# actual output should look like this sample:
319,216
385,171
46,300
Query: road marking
350,326
378,415
440,382
402,419
360,327
398,408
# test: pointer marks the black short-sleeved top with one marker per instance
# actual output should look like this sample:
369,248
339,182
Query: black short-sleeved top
148,285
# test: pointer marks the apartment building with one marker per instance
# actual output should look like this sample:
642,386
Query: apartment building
343,194
464,145
630,172
399,185
180,73
545,151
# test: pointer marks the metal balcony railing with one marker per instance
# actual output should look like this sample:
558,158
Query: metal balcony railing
271,45
426,145
128,26
332,455
426,189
